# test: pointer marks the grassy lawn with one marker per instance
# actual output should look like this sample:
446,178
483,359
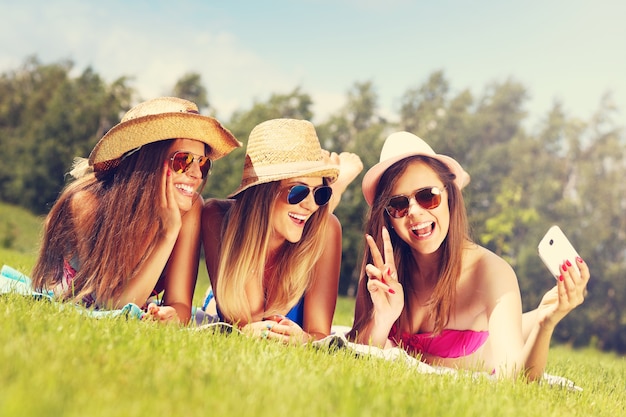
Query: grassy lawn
57,362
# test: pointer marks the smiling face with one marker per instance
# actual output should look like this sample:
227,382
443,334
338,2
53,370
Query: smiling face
288,220
423,230
187,183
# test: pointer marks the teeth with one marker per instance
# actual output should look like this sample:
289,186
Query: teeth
298,216
184,187
422,230
421,225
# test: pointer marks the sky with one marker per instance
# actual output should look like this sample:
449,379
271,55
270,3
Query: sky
572,51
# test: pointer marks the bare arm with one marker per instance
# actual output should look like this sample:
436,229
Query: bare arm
511,353
181,272
555,305
321,298
213,214
350,166
140,287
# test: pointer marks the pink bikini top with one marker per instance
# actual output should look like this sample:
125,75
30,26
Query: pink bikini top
448,344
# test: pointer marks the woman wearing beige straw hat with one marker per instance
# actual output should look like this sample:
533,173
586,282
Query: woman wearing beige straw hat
273,251
128,227
434,292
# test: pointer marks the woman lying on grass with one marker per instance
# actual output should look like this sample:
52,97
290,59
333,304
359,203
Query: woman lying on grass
273,251
129,226
433,291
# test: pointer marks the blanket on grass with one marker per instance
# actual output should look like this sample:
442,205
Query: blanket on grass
13,281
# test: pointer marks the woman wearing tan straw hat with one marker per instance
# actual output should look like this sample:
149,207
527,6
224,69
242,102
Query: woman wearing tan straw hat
129,226
273,252
434,292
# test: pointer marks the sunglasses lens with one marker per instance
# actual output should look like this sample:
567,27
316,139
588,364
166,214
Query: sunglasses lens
181,162
297,193
398,206
322,195
428,198
205,165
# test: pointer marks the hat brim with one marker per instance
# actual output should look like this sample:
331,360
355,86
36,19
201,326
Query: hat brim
134,133
252,178
372,176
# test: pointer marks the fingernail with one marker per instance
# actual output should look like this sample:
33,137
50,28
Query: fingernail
169,172
579,259
561,278
391,291
389,271
568,263
564,267
382,279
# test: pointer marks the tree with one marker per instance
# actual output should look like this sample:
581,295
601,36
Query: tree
49,119
189,87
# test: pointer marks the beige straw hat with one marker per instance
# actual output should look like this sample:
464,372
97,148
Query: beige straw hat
160,119
401,145
284,148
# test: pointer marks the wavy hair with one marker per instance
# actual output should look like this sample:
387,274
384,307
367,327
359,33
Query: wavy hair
111,243
442,300
244,251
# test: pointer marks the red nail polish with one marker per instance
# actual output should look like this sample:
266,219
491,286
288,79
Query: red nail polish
389,271
169,172
561,278
579,259
391,291
382,279
568,263
564,267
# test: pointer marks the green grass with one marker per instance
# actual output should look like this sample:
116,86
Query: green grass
19,229
58,362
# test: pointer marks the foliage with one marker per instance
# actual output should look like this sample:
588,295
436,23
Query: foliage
562,171
58,362
46,119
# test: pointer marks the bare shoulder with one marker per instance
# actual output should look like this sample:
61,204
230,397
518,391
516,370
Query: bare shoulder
334,224
214,210
486,267
333,231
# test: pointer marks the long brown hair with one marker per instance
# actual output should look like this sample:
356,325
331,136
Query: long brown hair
111,243
442,300
244,252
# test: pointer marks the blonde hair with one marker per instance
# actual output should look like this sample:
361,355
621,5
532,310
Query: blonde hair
443,298
244,253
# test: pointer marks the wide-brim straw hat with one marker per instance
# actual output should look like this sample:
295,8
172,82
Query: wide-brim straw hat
279,149
401,145
161,119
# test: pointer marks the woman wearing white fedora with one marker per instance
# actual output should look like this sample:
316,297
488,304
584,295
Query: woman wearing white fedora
273,251
128,227
434,292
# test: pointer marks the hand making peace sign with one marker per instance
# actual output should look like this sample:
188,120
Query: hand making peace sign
385,290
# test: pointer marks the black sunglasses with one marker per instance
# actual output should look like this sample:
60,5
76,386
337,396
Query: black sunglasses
182,160
428,198
321,194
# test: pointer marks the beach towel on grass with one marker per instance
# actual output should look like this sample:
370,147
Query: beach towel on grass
337,340
13,281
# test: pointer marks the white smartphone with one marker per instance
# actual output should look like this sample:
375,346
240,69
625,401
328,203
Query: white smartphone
554,249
